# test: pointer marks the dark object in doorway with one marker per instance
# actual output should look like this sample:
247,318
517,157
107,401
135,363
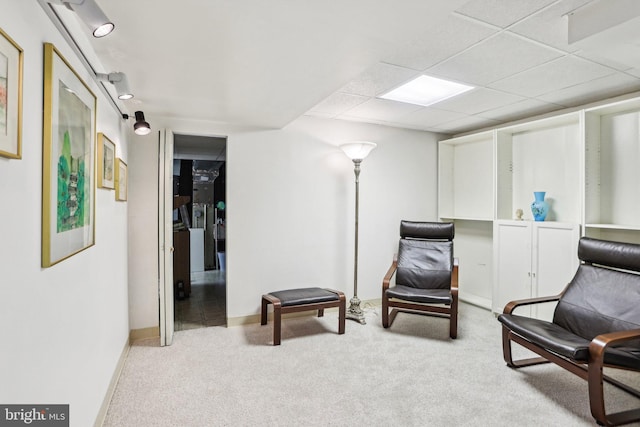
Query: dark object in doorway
180,290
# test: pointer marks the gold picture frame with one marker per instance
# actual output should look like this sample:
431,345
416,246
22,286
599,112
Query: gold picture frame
68,161
122,177
106,162
11,71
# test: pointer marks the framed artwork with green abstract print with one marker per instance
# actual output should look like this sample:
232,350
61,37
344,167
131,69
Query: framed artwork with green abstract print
68,178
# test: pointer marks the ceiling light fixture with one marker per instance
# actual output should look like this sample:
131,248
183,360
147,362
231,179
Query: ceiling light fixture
425,91
141,126
120,81
90,13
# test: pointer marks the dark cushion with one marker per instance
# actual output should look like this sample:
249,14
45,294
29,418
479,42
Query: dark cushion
612,254
548,335
599,300
304,296
427,296
427,230
425,264
558,340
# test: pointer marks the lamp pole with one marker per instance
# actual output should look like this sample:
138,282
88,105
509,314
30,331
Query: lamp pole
356,151
355,312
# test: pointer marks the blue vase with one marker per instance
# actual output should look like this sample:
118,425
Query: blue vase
539,208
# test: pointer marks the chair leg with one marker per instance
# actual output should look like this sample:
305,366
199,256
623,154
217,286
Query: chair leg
453,325
320,312
596,378
385,311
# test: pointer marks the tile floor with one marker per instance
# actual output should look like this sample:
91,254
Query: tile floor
207,304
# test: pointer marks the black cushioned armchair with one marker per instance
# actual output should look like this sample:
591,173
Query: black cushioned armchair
426,274
596,323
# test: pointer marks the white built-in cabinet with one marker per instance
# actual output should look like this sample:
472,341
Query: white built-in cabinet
588,163
533,259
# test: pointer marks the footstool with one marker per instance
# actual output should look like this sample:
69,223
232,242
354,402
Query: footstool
303,299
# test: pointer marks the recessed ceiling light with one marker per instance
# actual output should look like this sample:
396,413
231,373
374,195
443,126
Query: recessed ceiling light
425,90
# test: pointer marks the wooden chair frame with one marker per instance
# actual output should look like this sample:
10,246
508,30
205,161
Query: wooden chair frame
279,310
592,371
450,311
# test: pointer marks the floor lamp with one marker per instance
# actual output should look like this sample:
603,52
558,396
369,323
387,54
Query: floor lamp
356,151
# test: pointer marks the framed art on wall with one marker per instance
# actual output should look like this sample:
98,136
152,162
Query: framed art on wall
10,97
121,180
68,159
106,162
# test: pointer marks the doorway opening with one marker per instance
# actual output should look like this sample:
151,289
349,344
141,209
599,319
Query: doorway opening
199,234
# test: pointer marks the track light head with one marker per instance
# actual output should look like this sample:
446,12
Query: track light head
120,81
91,14
141,126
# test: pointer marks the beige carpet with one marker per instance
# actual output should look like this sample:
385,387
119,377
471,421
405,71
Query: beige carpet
409,375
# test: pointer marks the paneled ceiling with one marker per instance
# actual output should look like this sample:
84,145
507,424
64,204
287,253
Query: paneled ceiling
266,63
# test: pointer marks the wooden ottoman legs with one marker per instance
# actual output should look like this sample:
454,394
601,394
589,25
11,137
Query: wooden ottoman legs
278,309
277,315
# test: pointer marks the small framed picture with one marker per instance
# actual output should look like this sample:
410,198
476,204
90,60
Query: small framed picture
10,97
121,180
106,162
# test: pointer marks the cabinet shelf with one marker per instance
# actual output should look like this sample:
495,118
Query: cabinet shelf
466,183
543,155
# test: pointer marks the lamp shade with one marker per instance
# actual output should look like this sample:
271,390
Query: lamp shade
358,150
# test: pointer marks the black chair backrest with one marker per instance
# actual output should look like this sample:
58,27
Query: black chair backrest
602,298
425,255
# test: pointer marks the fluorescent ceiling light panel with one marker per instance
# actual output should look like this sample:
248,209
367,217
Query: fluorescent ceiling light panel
425,90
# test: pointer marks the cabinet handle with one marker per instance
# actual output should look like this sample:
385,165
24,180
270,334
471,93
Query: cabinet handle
529,274
534,275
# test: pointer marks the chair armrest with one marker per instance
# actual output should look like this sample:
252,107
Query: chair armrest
390,272
508,309
599,344
454,276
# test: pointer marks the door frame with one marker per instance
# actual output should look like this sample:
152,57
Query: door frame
165,236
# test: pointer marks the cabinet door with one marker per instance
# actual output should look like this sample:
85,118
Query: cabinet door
512,263
555,261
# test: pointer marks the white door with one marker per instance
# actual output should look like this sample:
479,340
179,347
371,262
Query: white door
512,259
556,261
165,235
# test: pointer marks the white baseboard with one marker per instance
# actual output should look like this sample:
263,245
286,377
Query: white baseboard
102,413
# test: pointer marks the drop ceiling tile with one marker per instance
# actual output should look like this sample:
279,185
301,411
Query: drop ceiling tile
553,76
380,109
594,90
478,100
338,103
501,12
600,59
466,124
521,109
429,117
438,42
549,26
377,79
493,59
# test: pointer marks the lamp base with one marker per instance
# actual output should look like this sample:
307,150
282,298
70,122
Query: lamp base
354,312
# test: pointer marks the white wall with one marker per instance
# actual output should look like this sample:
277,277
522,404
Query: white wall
290,206
63,328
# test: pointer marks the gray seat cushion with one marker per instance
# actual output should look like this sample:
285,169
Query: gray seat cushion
302,296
